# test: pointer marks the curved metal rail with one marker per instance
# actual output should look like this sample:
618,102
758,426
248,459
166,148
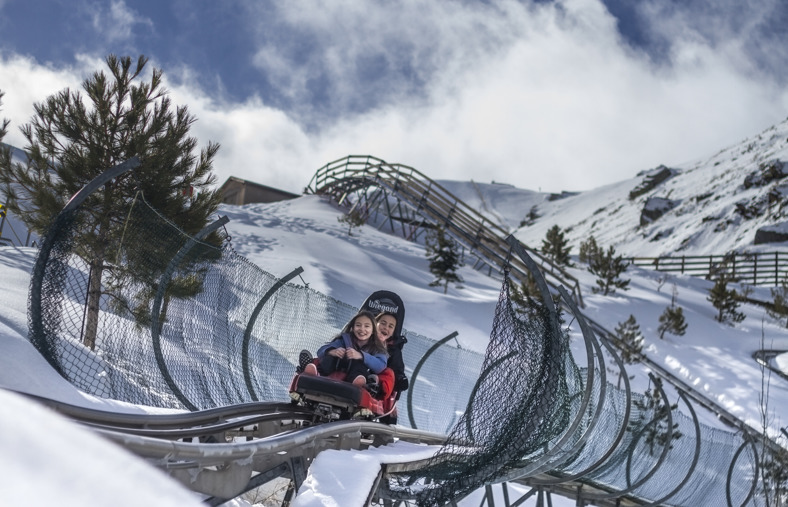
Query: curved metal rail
263,418
226,470
276,439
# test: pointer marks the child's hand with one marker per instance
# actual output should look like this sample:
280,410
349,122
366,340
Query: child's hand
340,352
353,354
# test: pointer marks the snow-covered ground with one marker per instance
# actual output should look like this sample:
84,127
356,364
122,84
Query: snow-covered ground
45,460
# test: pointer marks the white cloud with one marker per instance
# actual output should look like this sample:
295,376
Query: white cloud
258,143
26,82
541,96
116,22
561,104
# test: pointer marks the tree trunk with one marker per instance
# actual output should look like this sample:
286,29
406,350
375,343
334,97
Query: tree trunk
96,272
93,299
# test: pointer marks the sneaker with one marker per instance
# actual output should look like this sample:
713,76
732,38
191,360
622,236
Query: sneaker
373,385
304,358
360,381
311,369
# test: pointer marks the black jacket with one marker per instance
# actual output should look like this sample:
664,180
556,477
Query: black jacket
396,362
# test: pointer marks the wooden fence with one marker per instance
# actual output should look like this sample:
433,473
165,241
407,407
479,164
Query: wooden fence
768,268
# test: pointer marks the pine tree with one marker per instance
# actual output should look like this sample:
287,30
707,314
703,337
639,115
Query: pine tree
724,300
5,122
531,217
5,158
73,138
5,151
672,319
353,218
588,250
774,475
628,332
554,246
608,268
526,295
779,308
654,428
444,257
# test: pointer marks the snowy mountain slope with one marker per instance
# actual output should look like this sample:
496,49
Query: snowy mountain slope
306,232
714,205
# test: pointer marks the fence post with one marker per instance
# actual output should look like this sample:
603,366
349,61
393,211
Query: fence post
755,271
776,267
683,259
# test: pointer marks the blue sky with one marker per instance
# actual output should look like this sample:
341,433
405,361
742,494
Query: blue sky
551,95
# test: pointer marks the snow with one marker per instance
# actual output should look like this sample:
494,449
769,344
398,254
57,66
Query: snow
47,460
340,478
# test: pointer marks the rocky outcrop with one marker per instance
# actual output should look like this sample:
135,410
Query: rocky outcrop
652,180
775,233
767,172
654,208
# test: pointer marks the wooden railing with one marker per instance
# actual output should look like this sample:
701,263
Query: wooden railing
768,268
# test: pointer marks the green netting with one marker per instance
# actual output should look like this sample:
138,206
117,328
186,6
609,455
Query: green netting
522,403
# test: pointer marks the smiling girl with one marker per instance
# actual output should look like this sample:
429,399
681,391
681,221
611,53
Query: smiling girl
356,351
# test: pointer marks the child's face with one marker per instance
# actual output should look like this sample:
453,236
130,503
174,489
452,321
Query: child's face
386,325
362,328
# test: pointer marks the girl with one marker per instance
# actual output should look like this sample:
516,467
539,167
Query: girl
392,378
356,351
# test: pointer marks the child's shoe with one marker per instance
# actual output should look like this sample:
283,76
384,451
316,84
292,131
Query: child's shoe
304,358
373,385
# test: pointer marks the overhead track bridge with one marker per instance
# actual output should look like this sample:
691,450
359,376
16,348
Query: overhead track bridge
408,203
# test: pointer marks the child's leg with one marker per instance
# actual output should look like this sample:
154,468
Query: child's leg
386,378
328,365
356,368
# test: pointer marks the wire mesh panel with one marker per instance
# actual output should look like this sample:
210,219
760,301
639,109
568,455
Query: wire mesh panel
440,387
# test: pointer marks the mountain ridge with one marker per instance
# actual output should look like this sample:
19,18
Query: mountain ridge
714,205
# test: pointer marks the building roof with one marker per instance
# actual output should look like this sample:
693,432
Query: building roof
240,191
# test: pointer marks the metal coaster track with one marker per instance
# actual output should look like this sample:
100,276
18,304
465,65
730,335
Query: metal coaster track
412,202
226,451
433,204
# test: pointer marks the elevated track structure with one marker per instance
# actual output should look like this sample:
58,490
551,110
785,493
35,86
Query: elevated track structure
405,202
527,412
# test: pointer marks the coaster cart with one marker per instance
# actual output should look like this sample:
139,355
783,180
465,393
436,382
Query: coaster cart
332,398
